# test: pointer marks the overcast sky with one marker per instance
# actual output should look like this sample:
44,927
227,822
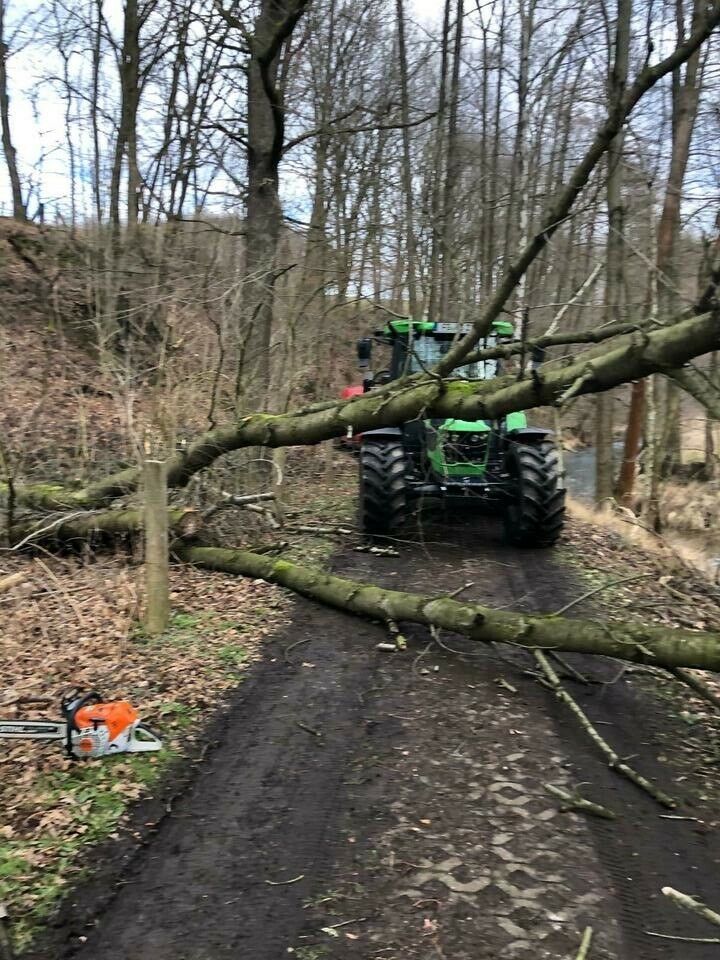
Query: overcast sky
39,129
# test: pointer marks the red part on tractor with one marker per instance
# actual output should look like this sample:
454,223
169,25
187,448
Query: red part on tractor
351,441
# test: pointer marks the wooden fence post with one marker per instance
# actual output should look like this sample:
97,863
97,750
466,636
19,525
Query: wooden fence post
157,593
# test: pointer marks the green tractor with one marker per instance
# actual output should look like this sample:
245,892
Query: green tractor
504,464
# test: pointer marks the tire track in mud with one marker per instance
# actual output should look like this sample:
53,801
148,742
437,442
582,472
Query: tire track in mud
643,850
213,882
612,872
418,820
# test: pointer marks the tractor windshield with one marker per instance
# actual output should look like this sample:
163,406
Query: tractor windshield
427,351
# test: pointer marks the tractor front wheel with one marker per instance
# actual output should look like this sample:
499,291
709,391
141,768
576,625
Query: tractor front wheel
536,512
383,505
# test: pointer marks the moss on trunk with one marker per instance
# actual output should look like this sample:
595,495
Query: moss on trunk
660,646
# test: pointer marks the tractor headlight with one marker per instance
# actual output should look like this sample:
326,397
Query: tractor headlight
475,438
454,438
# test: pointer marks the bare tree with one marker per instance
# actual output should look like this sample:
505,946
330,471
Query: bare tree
615,248
19,208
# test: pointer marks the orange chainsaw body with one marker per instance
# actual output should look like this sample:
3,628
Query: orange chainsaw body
117,716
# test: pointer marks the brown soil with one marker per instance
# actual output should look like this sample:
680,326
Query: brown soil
365,804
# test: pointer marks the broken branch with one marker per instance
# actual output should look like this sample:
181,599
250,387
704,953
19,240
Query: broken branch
614,761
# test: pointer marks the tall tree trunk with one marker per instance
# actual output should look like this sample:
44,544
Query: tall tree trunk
632,444
685,96
131,97
95,109
265,139
126,139
449,297
710,458
19,209
438,163
407,166
615,251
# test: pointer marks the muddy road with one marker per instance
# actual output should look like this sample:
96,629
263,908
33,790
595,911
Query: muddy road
362,804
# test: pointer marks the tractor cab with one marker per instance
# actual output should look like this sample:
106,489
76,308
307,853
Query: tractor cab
497,461
418,345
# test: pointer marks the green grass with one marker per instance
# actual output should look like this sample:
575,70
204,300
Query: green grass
310,953
36,871
87,789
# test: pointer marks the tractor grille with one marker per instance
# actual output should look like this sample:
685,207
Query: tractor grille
467,451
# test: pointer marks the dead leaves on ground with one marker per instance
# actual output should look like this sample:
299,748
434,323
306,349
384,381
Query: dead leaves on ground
71,624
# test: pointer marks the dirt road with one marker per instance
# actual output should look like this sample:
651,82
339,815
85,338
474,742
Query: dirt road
360,804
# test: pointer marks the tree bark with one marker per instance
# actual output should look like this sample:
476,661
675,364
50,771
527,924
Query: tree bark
632,444
685,97
659,646
449,287
126,140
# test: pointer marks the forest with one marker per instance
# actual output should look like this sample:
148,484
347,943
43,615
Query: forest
363,357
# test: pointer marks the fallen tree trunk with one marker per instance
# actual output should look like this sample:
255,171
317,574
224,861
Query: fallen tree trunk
659,646
405,400
182,522
637,643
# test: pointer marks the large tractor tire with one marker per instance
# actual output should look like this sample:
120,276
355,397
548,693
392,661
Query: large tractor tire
536,512
383,502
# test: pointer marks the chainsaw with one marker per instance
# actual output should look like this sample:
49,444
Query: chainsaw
90,728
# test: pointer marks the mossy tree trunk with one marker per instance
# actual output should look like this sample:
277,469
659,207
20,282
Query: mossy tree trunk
659,646
403,400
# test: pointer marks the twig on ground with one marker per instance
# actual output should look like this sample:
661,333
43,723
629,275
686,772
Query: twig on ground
321,531
462,589
284,883
435,633
696,684
673,816
569,668
692,904
614,761
604,586
584,951
618,676
267,515
307,729
573,801
377,551
292,646
236,501
502,682
419,657
344,923
670,936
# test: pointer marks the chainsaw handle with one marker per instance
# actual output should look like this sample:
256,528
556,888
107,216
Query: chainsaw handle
71,706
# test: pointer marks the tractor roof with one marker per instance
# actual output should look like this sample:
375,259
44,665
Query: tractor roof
501,328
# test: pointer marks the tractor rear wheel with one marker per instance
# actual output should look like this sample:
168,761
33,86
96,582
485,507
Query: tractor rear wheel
383,503
536,512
